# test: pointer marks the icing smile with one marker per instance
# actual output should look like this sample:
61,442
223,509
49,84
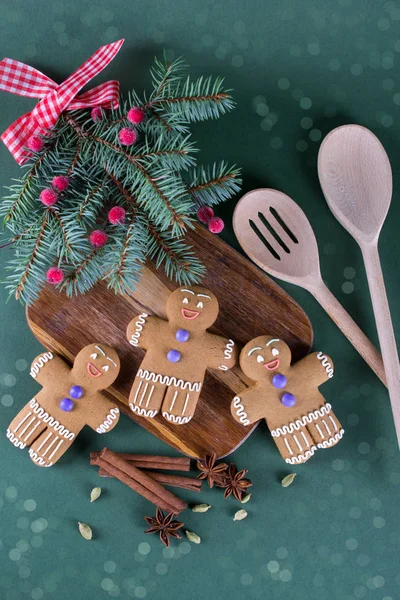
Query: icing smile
272,365
93,371
189,314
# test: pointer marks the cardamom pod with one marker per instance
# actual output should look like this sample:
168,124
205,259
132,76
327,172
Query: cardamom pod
94,494
193,537
245,498
85,531
288,480
240,515
201,508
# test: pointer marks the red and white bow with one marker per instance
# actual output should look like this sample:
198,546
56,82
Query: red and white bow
23,80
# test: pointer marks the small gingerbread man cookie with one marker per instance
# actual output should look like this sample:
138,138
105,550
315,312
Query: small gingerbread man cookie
69,400
178,353
287,397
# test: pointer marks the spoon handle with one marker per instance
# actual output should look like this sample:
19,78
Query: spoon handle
350,328
384,326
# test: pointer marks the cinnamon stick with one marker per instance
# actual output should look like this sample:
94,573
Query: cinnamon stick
144,461
185,483
139,481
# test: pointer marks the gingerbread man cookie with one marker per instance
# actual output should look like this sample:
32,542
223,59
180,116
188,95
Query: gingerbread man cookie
287,397
69,400
178,353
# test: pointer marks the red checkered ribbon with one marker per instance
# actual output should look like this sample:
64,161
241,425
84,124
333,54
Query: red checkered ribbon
23,80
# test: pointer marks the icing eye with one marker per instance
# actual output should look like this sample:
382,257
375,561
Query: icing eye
94,355
185,301
275,351
105,368
260,358
199,305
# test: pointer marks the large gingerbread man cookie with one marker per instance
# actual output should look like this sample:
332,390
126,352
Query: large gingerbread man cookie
178,353
69,400
287,397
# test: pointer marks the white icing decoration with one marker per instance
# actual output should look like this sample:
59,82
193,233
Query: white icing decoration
176,418
325,363
241,413
326,427
227,354
112,415
185,405
142,412
134,341
38,459
229,349
14,440
42,360
301,457
166,380
332,440
253,350
296,425
46,418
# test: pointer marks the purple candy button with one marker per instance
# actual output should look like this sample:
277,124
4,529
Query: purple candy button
288,399
66,404
182,335
279,381
174,356
76,392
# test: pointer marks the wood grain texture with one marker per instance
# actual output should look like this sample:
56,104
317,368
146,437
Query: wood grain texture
294,258
250,304
356,178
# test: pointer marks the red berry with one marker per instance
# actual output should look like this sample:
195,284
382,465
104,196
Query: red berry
98,238
116,215
54,275
60,183
136,115
48,197
96,114
216,225
127,136
35,143
205,213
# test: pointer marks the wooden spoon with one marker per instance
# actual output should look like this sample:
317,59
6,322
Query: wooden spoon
356,178
276,234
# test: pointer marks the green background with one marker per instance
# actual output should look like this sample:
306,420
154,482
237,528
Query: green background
298,70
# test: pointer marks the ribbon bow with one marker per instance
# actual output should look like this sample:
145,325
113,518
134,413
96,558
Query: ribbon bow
23,80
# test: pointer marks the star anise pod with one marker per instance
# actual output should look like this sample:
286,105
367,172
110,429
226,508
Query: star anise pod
235,483
164,525
214,473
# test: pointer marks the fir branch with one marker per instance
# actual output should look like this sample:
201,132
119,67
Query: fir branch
31,260
84,276
75,159
63,232
159,118
124,192
125,255
150,180
28,178
87,200
212,185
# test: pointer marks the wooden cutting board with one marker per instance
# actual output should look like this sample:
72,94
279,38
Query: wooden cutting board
251,304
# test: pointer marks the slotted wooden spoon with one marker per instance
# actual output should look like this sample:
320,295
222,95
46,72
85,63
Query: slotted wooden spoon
276,234
356,178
